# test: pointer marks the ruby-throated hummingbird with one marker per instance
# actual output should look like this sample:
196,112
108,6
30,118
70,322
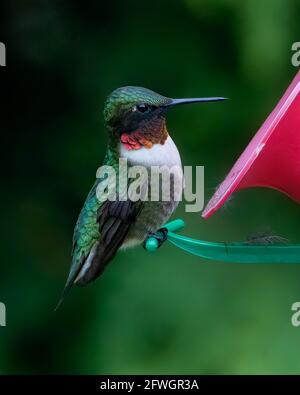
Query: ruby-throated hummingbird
135,119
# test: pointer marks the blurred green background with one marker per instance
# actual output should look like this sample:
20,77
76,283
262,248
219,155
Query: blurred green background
161,313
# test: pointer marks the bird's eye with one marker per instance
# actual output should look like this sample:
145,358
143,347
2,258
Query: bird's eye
141,107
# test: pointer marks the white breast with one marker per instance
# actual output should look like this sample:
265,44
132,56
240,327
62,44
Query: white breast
159,155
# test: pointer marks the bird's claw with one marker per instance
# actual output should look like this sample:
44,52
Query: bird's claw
160,235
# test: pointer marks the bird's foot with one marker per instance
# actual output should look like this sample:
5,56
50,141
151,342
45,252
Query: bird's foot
160,236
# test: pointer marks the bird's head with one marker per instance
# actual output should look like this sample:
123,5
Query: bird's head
136,116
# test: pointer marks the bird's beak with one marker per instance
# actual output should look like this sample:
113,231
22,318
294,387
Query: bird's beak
175,102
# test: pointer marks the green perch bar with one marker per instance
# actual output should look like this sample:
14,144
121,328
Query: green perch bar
229,252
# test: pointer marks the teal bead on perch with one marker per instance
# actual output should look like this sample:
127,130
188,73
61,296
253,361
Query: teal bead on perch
152,243
241,252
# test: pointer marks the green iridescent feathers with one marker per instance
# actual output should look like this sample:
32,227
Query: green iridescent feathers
123,99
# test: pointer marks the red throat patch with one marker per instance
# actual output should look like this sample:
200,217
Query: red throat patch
135,141
150,136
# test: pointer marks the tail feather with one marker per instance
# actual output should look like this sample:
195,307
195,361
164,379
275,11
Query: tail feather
74,271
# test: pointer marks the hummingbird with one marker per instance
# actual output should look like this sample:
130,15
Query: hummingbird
135,119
